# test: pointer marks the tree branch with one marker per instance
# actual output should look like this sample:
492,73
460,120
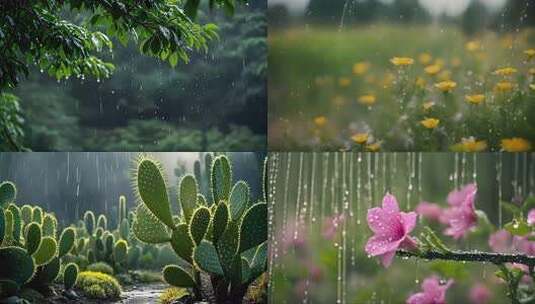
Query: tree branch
471,256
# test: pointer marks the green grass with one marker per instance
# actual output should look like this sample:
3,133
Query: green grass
300,56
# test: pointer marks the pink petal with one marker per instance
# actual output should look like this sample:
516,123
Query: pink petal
430,211
387,258
390,204
418,298
383,223
378,245
408,220
531,217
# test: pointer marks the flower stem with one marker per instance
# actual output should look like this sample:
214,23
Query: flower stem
471,256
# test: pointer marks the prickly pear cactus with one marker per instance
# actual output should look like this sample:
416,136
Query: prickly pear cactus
224,238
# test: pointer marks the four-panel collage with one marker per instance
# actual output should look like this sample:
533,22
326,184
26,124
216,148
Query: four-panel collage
267,151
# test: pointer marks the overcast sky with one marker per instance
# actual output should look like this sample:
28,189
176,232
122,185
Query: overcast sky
435,7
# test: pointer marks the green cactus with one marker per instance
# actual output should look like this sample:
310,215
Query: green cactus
197,170
121,210
221,179
188,196
8,193
120,252
17,222
2,225
26,213
177,276
199,224
17,265
224,239
33,237
70,275
102,222
152,190
46,251
37,215
8,230
50,224
89,220
46,274
66,241
124,229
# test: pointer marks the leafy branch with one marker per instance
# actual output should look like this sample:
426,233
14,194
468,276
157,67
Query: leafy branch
471,256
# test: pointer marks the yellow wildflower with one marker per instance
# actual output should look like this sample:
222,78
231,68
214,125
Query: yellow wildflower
388,80
531,71
320,121
402,61
433,69
344,81
470,145
420,82
507,71
430,123
515,144
360,138
425,58
446,86
530,53
504,86
428,105
367,100
475,99
532,86
444,75
473,46
440,62
374,147
360,68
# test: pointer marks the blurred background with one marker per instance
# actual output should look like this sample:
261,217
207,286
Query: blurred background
325,54
69,184
319,230
216,102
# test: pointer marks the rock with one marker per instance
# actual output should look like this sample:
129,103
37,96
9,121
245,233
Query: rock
71,294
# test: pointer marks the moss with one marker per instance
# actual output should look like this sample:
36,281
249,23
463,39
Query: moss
170,295
98,285
100,267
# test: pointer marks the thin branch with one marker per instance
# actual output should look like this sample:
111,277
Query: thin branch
471,256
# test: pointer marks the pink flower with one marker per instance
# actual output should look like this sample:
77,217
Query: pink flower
501,241
331,224
432,292
429,211
391,230
461,215
524,245
531,217
480,294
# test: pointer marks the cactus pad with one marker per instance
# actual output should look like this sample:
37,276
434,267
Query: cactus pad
148,228
26,213
221,178
46,251
152,190
253,229
46,274
70,275
33,237
2,225
50,224
37,215
188,196
89,220
239,199
124,229
102,222
17,222
8,193
206,258
182,243
17,265
66,241
177,276
120,251
199,224
220,221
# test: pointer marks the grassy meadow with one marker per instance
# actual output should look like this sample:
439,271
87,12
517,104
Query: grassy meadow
401,88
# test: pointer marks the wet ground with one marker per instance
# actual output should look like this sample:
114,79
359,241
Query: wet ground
142,294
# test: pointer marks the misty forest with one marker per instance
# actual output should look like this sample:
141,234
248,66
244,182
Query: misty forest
133,228
116,76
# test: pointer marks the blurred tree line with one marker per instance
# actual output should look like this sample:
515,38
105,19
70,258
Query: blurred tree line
476,18
217,101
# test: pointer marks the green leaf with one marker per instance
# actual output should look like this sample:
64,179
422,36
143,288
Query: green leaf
239,199
199,224
182,243
148,228
221,179
518,227
253,229
46,251
220,221
188,196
